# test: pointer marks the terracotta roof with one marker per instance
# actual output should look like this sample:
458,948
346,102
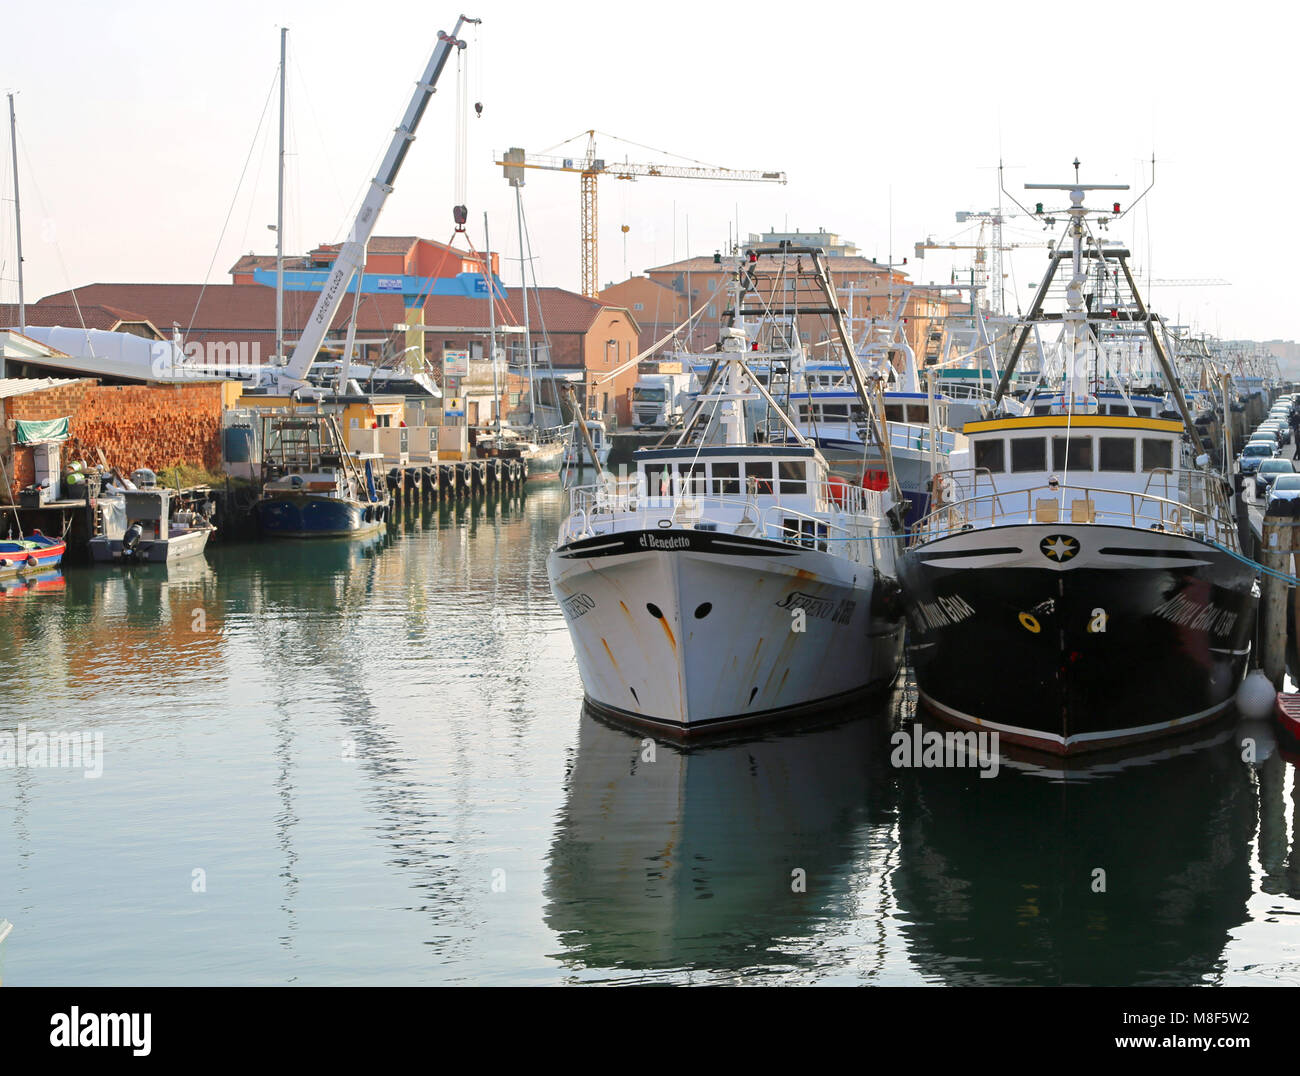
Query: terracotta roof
226,309
836,264
561,311
91,315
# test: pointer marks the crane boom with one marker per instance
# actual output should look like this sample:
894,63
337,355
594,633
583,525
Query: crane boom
590,167
352,254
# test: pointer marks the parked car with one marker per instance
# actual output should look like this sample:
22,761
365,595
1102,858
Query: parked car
1286,487
1268,471
1255,453
1279,431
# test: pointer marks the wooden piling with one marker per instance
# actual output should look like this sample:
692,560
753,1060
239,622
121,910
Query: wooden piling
1276,556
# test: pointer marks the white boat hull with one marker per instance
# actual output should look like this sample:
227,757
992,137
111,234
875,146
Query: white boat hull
688,630
151,551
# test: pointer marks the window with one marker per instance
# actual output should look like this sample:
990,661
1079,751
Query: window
693,483
761,473
1072,454
1157,452
918,413
713,310
1115,454
836,412
894,412
726,478
1028,454
793,474
638,306
991,455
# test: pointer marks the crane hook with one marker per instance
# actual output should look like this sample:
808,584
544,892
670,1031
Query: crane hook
478,108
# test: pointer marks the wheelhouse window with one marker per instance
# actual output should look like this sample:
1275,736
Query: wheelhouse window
693,483
919,413
1028,454
1157,453
1072,453
793,476
1115,454
991,455
835,412
894,412
759,475
726,478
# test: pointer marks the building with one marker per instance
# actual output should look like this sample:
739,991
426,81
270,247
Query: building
865,290
80,315
389,255
591,345
658,309
828,241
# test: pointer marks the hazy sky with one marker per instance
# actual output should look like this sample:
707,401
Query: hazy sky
136,119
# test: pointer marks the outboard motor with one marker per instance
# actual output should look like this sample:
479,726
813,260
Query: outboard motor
131,540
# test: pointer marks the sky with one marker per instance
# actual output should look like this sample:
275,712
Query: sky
147,133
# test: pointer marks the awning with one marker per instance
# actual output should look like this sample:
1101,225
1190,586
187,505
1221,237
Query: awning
32,432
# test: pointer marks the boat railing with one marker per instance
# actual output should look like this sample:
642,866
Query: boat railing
1196,508
838,512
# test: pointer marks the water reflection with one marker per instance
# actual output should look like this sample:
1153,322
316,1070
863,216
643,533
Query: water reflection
689,860
998,879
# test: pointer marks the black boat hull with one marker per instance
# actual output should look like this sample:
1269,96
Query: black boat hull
1077,638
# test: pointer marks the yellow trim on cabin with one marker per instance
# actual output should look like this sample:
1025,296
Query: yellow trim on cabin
1057,422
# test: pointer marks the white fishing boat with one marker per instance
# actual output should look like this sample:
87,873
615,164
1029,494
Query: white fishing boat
724,580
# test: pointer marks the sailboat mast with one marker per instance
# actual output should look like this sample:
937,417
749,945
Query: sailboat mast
279,218
492,323
18,216
523,291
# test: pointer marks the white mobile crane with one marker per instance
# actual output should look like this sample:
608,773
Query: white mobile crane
291,377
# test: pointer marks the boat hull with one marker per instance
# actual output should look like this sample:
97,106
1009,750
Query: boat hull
300,515
1132,635
110,550
690,630
544,461
35,554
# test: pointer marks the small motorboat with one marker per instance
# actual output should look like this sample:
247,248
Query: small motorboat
143,526
32,554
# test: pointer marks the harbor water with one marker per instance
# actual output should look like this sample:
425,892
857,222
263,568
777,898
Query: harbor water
368,763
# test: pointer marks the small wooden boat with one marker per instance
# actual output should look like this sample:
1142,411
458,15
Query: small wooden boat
32,554
1287,710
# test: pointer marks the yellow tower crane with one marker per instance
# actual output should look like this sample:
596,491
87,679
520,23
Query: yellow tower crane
590,167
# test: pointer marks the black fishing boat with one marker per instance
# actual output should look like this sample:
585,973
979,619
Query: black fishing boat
1078,582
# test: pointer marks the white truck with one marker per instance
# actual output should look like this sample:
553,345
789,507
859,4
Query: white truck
660,400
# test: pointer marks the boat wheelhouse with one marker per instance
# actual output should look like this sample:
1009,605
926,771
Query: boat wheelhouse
312,486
